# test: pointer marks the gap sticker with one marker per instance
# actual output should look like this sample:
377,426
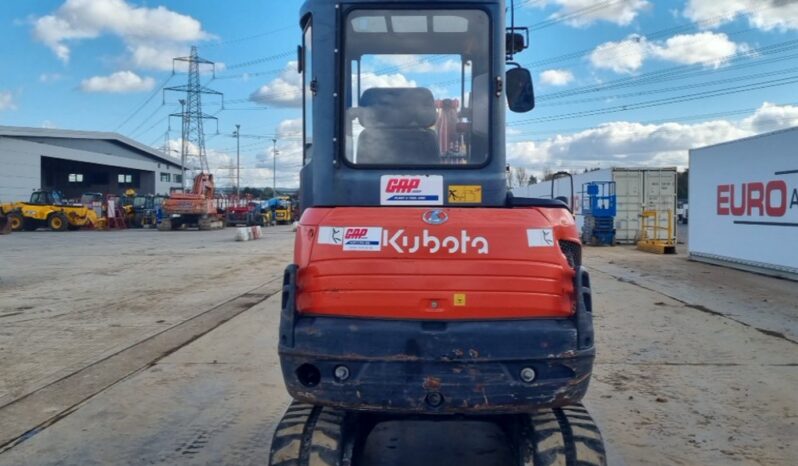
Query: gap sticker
411,190
362,238
540,238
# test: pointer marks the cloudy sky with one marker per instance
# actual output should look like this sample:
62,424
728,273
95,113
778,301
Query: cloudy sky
619,82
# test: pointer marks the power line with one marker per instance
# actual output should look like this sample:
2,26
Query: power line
680,71
247,38
659,102
257,61
679,119
670,31
676,88
143,104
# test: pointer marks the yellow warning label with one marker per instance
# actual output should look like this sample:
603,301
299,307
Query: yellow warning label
459,299
465,194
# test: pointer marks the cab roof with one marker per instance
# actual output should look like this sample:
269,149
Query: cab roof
311,5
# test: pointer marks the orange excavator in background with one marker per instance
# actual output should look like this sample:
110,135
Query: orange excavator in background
196,208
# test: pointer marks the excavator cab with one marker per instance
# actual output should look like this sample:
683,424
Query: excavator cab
421,287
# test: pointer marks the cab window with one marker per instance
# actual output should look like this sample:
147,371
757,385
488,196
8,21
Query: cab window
418,87
307,94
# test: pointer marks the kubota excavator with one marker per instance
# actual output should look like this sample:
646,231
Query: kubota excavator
421,287
195,209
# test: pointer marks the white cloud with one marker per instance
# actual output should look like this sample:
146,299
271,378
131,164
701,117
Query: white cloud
290,129
581,13
286,89
119,82
556,77
283,91
772,117
624,143
621,144
763,14
705,48
289,158
629,55
369,80
7,101
625,56
416,64
157,57
137,26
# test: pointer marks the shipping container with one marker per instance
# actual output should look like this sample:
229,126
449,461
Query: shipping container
744,204
636,190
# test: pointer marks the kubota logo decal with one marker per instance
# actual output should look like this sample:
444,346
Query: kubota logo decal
376,238
402,243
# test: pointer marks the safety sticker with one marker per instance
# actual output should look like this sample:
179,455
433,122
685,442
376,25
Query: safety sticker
331,235
459,299
362,238
540,237
465,194
411,190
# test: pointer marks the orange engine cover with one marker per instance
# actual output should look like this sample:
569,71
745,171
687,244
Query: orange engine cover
435,264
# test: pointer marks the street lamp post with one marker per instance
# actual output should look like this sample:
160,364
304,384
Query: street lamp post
274,167
238,160
183,143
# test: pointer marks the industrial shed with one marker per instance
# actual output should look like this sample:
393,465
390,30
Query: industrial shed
76,162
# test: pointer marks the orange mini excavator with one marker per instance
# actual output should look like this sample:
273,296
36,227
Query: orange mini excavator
421,287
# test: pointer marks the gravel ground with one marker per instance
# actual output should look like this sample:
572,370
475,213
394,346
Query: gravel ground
687,372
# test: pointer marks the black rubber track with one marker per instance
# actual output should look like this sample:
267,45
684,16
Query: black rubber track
560,437
311,436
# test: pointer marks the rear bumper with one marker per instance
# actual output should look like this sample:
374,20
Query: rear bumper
468,367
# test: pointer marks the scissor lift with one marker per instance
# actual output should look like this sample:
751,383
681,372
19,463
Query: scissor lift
599,207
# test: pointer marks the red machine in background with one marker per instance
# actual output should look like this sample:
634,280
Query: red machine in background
249,214
193,209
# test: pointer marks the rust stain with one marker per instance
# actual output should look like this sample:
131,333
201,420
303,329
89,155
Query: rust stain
432,383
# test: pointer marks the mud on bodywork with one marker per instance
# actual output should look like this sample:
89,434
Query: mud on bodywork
437,367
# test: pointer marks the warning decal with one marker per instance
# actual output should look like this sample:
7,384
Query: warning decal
465,194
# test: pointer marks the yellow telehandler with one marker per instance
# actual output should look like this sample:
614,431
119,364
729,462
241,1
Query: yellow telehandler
47,209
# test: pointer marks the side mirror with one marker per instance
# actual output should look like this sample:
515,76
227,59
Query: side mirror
520,90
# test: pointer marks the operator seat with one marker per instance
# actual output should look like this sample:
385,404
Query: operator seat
397,124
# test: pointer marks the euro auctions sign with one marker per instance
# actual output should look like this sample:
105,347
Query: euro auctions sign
768,201
744,203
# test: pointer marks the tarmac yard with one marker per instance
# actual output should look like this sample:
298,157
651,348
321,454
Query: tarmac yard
142,347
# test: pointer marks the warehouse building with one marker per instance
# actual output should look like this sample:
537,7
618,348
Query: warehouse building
744,204
77,162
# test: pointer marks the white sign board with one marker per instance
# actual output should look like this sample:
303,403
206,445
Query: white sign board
744,202
411,190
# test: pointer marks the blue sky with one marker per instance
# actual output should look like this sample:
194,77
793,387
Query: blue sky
620,82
